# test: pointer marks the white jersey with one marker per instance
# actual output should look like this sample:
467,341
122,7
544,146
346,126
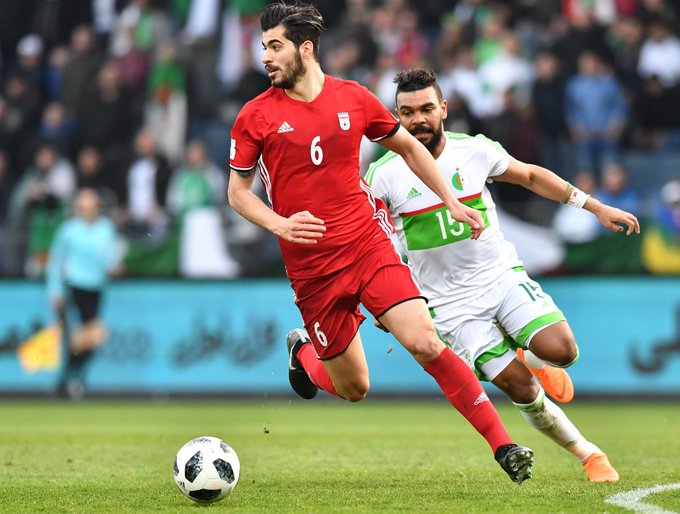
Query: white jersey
447,264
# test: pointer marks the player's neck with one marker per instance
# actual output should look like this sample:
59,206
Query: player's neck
309,86
439,148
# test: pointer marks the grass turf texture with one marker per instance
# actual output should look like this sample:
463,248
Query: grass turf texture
321,456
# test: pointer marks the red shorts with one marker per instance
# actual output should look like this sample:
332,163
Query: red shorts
330,304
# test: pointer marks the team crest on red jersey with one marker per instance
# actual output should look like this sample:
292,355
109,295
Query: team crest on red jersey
343,118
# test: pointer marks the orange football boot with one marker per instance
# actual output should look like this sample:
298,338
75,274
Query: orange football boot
599,469
555,381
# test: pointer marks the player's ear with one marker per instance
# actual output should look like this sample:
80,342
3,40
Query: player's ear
445,109
307,49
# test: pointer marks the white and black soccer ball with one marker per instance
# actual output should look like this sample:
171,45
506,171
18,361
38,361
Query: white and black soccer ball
206,469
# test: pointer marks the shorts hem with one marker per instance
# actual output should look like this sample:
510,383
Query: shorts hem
399,303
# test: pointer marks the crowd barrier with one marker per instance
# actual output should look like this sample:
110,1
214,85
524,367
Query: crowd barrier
172,337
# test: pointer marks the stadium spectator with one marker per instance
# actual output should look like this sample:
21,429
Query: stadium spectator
583,34
479,293
106,120
54,73
81,258
80,70
38,203
660,54
197,183
625,38
133,65
166,107
615,190
29,63
18,118
668,212
548,105
143,213
336,249
648,11
196,197
596,113
92,173
507,70
58,129
656,114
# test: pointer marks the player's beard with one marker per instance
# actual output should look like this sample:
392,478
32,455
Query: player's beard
291,74
437,135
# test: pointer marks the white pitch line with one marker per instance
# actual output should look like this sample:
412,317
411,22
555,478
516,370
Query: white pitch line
631,500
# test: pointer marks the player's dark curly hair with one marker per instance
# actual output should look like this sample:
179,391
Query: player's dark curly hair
417,79
302,22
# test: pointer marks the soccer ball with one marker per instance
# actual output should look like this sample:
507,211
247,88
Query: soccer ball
206,469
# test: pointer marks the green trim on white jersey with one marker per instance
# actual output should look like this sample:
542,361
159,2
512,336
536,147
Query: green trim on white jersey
435,227
447,264
375,165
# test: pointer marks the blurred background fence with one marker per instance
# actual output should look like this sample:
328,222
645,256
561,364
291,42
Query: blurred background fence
175,337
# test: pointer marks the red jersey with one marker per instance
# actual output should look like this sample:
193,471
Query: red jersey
307,155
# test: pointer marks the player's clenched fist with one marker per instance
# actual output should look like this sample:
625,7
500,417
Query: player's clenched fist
301,228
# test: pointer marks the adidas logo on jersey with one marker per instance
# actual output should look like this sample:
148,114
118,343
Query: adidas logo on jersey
413,193
481,399
285,128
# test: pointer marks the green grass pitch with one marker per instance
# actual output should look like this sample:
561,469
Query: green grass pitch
321,457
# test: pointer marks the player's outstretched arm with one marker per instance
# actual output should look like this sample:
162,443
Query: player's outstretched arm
300,228
424,166
547,184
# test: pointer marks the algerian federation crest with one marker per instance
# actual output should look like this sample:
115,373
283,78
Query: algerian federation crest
343,119
460,180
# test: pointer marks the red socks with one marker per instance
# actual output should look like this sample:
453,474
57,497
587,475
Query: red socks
461,387
315,369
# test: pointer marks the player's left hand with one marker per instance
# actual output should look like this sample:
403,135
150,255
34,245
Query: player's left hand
617,220
468,215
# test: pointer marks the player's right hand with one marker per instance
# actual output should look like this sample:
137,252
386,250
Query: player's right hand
302,228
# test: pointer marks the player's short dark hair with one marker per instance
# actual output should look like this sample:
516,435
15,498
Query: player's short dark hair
302,22
416,79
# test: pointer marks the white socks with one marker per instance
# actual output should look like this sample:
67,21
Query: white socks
551,421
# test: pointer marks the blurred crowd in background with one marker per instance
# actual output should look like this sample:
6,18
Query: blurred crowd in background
135,99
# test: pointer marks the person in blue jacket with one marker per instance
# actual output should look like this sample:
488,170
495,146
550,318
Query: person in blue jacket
81,259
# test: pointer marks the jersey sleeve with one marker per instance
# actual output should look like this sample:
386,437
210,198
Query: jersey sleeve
497,157
246,140
380,122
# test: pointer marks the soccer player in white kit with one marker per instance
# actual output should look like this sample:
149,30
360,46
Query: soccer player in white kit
484,304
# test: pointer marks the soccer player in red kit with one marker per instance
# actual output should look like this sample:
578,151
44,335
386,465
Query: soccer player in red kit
303,135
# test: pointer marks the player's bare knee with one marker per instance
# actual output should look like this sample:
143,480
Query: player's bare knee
426,349
569,353
357,392
354,391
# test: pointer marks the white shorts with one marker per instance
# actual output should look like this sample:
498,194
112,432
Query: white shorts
484,332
